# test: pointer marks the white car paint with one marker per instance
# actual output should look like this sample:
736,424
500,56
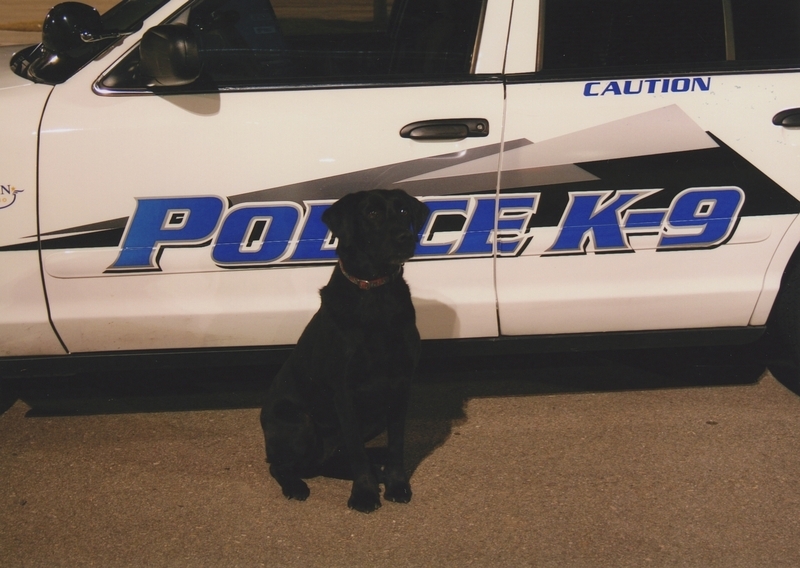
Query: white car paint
81,157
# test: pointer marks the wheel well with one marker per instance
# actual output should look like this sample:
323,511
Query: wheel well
783,316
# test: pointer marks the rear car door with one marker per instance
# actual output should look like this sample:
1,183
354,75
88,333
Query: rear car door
659,188
189,215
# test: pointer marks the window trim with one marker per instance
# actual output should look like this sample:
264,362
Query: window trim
540,37
392,83
476,47
582,75
730,40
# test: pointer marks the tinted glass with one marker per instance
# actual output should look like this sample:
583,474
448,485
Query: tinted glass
330,41
128,14
767,30
590,34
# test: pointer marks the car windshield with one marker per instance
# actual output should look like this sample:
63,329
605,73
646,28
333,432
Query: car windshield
39,64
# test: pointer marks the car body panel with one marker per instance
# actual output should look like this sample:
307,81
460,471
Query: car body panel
24,325
179,219
104,153
662,137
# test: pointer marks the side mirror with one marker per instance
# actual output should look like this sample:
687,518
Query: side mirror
65,24
168,56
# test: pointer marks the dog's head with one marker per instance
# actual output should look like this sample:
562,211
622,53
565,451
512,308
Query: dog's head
380,226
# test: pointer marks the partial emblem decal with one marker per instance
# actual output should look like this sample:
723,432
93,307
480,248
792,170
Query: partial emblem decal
8,195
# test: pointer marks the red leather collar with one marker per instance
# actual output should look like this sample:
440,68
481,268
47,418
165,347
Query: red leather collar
370,284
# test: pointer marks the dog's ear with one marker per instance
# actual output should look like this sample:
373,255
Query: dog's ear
340,217
419,212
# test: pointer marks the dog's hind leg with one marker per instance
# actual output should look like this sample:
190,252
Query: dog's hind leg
291,444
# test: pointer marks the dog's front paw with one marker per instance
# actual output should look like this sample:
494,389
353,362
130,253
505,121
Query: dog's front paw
292,486
399,492
364,499
296,489
397,486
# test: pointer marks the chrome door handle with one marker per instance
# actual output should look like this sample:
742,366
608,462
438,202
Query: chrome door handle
446,129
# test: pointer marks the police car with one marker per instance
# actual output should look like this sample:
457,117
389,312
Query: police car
615,174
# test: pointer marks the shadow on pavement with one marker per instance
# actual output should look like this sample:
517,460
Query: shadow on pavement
443,387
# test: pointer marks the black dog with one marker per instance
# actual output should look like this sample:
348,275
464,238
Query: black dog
348,378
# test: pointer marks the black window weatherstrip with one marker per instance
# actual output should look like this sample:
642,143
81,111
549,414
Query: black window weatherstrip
561,76
638,73
99,89
478,38
730,40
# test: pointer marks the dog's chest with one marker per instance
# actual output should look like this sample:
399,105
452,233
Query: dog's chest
382,311
375,331
381,315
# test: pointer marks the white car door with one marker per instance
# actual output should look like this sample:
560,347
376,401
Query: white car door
661,187
189,216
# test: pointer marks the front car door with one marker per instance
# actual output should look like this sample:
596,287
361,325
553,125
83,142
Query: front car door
662,187
189,216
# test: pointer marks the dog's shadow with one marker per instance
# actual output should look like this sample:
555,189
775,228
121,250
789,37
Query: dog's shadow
440,395
444,387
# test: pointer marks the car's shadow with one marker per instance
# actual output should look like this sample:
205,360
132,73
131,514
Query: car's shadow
442,389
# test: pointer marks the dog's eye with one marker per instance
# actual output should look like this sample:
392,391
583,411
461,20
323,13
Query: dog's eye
404,212
372,214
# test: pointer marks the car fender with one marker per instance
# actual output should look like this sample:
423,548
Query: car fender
24,321
774,275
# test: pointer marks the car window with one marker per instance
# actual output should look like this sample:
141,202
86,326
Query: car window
129,14
247,43
767,31
590,34
669,34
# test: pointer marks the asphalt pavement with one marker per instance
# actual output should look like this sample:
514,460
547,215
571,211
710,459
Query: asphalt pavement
651,458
